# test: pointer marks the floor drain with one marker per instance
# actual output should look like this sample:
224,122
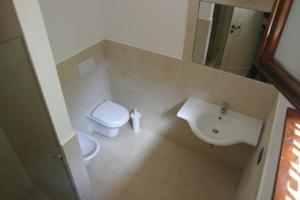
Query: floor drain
215,131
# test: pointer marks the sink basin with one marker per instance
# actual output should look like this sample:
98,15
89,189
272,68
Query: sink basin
207,122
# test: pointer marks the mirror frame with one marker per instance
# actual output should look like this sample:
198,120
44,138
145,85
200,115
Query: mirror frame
267,64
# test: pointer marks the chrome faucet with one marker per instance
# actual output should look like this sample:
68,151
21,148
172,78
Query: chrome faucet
224,108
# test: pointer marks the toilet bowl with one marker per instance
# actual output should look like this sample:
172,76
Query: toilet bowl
107,117
89,146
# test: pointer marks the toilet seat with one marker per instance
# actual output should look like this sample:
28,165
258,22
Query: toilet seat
110,114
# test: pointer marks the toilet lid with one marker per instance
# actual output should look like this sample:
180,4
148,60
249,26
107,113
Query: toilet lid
110,114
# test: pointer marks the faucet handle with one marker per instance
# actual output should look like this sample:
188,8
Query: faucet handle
225,104
224,108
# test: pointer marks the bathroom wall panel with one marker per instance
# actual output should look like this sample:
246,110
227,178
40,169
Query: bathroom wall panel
35,36
83,92
157,25
258,180
201,37
37,43
14,182
272,156
78,168
21,118
160,78
249,184
25,120
80,94
9,25
73,26
158,86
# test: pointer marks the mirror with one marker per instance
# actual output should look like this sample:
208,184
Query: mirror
278,57
228,38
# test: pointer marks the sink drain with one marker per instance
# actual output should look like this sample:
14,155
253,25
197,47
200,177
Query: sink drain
215,131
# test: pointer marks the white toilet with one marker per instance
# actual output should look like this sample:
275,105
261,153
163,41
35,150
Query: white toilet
107,117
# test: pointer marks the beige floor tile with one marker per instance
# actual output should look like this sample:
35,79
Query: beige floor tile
151,167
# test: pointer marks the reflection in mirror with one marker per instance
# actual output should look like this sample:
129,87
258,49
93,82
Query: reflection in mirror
228,38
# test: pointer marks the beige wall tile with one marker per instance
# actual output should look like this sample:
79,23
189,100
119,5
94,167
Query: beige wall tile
78,169
244,95
164,78
83,92
159,85
191,26
203,29
250,180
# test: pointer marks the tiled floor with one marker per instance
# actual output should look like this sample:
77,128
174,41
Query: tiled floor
152,167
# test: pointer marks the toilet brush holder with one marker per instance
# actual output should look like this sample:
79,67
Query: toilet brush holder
136,118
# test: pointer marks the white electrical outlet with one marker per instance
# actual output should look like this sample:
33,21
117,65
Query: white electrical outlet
86,66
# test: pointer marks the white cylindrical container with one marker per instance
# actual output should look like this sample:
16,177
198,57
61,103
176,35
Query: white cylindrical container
136,116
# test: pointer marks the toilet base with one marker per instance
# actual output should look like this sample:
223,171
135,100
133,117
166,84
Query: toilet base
105,131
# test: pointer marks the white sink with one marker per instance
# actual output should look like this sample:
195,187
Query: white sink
207,122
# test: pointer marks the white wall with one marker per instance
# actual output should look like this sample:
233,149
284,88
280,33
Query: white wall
72,25
258,181
36,38
154,25
157,25
206,11
269,172
249,184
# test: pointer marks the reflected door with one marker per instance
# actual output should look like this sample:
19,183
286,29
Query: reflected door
25,120
242,42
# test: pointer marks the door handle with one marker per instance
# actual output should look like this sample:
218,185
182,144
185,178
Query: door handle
236,27
57,157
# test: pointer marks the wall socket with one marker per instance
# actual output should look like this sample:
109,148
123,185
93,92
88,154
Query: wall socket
86,66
